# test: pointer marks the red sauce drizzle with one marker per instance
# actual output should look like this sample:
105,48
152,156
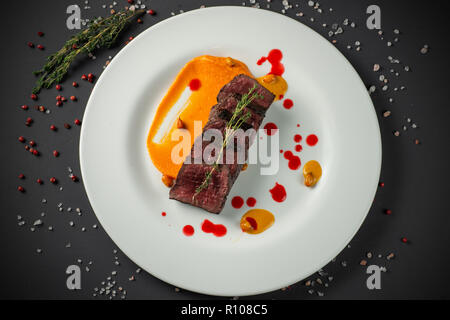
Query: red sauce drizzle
251,202
188,230
288,103
294,161
312,140
298,148
252,222
278,192
237,202
195,84
297,138
219,230
270,128
274,59
163,214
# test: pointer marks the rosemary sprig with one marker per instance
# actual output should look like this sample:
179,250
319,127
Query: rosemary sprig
235,122
101,33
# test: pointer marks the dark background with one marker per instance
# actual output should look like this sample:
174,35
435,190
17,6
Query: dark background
415,176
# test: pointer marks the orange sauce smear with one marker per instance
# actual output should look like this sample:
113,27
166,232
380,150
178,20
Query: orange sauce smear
213,73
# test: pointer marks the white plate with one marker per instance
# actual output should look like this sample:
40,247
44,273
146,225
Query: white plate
312,226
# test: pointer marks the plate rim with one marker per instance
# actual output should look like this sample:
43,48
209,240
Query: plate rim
218,8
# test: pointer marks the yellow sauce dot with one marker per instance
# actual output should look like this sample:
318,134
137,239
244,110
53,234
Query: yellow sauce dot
256,221
312,172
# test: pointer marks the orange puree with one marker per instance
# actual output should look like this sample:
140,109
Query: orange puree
256,221
204,76
275,84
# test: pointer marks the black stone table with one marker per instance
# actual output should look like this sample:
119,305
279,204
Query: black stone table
415,163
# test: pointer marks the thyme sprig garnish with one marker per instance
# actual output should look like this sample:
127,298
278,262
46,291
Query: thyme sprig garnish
100,33
237,119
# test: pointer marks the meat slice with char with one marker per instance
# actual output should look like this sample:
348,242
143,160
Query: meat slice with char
194,169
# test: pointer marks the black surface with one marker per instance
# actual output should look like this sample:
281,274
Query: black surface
415,176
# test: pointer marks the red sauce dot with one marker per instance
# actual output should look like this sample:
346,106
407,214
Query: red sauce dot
237,202
298,125
312,140
270,128
195,84
298,148
294,163
219,230
297,138
278,192
281,96
163,214
288,154
252,222
251,202
188,230
288,103
274,59
261,61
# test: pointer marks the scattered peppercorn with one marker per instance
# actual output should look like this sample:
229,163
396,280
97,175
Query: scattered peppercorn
21,176
151,12
405,240
139,20
21,139
73,98
74,178
388,211
35,152
39,181
34,96
55,153
40,34
74,84
58,87
32,143
30,44
40,47
20,189
77,122
59,103
53,127
83,77
24,107
381,184
53,180
66,125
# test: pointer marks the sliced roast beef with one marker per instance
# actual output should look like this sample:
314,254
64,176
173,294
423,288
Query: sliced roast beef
198,165
241,84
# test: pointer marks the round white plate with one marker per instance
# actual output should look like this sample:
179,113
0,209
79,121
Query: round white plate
312,226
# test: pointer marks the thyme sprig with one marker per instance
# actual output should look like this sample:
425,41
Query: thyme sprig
237,119
100,33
